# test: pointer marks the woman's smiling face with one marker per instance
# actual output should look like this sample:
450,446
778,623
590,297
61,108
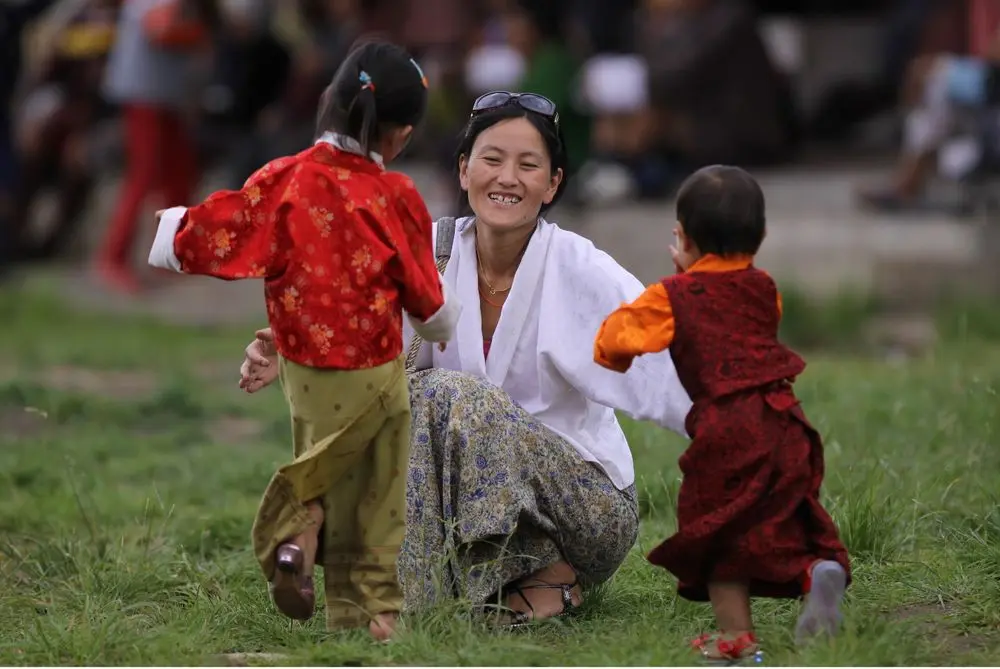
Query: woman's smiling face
508,174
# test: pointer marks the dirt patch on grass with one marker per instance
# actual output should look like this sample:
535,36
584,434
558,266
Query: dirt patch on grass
250,659
22,422
932,622
233,430
107,383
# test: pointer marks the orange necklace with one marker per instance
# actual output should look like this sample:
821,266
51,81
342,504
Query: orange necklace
488,301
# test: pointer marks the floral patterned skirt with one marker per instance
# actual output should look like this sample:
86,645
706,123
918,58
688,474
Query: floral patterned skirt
493,496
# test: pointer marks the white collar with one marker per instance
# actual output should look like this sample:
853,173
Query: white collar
348,144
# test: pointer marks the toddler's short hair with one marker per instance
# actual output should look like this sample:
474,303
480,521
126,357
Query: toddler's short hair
721,209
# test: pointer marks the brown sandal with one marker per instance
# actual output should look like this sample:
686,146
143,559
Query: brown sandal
521,619
292,591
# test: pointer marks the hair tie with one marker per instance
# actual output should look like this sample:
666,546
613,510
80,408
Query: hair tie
423,77
366,81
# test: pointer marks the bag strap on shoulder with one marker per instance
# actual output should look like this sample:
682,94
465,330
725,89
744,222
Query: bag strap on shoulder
442,253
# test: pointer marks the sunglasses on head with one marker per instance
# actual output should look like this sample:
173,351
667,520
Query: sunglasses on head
533,102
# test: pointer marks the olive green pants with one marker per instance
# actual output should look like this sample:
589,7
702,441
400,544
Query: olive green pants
351,432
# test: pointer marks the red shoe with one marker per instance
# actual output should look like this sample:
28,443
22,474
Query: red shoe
717,651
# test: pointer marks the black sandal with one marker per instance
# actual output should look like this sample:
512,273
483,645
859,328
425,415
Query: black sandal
521,619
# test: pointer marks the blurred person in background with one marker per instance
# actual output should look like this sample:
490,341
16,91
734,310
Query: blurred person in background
441,34
62,105
536,31
14,18
319,34
149,74
250,69
852,102
942,93
713,96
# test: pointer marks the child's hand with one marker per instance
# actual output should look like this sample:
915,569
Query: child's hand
442,345
682,259
159,215
259,368
681,262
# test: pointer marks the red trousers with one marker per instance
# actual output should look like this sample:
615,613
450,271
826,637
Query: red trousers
160,157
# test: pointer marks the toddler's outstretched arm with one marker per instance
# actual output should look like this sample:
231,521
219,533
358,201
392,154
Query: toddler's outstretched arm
644,326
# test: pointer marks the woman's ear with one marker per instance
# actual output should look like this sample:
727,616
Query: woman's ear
553,188
463,172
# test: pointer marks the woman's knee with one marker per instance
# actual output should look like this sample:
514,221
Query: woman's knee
604,540
455,385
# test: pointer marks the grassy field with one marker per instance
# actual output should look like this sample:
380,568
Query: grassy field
131,465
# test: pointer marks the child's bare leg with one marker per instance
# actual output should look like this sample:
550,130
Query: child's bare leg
308,541
735,640
731,605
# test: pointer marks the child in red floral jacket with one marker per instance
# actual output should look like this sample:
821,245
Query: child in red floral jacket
343,247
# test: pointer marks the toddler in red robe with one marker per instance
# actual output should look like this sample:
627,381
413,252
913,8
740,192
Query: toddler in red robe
750,522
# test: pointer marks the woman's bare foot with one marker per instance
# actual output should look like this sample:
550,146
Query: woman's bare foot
383,626
544,593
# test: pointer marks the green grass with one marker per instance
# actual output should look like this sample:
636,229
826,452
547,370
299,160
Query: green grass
131,466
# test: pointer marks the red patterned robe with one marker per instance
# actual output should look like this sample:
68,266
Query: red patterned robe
342,245
748,509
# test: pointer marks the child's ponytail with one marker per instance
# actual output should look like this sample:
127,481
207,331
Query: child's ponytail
362,117
377,86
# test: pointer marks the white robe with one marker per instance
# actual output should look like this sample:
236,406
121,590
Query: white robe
542,353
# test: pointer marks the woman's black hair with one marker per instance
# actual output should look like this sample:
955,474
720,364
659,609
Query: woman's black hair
377,85
551,134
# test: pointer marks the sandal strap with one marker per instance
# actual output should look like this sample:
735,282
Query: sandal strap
516,589
730,649
520,618
566,591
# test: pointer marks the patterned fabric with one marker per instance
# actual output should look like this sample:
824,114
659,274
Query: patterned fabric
493,496
646,324
748,508
726,332
343,247
351,437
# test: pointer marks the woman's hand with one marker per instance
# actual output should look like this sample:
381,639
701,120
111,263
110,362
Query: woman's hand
260,362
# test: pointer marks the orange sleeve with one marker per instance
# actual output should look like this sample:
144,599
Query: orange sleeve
644,326
414,269
781,307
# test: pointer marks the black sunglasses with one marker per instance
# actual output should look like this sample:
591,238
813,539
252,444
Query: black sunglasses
533,102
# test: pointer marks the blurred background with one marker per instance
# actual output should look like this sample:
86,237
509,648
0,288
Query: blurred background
873,125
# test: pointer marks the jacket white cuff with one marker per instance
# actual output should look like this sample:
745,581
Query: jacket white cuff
441,325
162,254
